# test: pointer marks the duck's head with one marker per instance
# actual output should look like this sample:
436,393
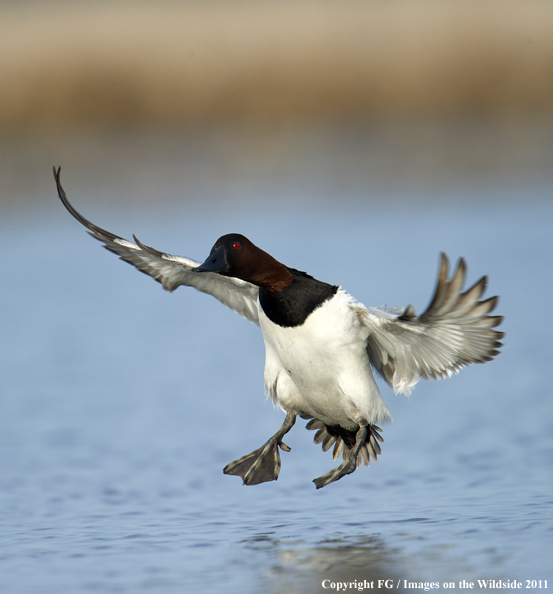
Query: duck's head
235,255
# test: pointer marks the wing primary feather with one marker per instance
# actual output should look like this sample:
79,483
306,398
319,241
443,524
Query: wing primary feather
453,287
96,231
440,292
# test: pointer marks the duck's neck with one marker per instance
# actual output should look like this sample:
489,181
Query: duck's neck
271,275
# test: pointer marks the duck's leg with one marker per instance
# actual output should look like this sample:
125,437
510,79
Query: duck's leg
263,465
348,465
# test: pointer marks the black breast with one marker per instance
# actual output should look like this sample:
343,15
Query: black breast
290,306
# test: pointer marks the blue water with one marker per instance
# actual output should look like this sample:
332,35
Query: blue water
120,404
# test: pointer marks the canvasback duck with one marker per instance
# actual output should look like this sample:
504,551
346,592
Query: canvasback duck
321,344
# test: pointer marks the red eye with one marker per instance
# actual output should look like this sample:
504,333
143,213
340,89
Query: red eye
236,245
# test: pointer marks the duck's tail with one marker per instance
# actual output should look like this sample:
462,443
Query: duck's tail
344,440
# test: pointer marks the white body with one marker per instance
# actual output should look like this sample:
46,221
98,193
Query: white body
321,367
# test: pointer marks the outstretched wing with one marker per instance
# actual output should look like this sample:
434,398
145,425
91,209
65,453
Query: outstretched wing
172,271
453,332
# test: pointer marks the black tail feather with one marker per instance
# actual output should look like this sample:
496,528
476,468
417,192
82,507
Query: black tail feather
343,440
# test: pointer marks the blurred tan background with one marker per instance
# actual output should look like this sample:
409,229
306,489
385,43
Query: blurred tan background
404,91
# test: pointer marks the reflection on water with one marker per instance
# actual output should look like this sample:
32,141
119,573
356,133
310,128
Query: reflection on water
363,562
290,567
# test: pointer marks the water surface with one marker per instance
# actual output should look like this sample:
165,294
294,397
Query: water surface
120,405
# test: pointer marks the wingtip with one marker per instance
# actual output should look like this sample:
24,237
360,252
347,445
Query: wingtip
462,266
61,191
440,292
57,174
444,268
484,283
95,231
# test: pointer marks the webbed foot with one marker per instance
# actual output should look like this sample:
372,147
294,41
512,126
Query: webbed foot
348,465
263,464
